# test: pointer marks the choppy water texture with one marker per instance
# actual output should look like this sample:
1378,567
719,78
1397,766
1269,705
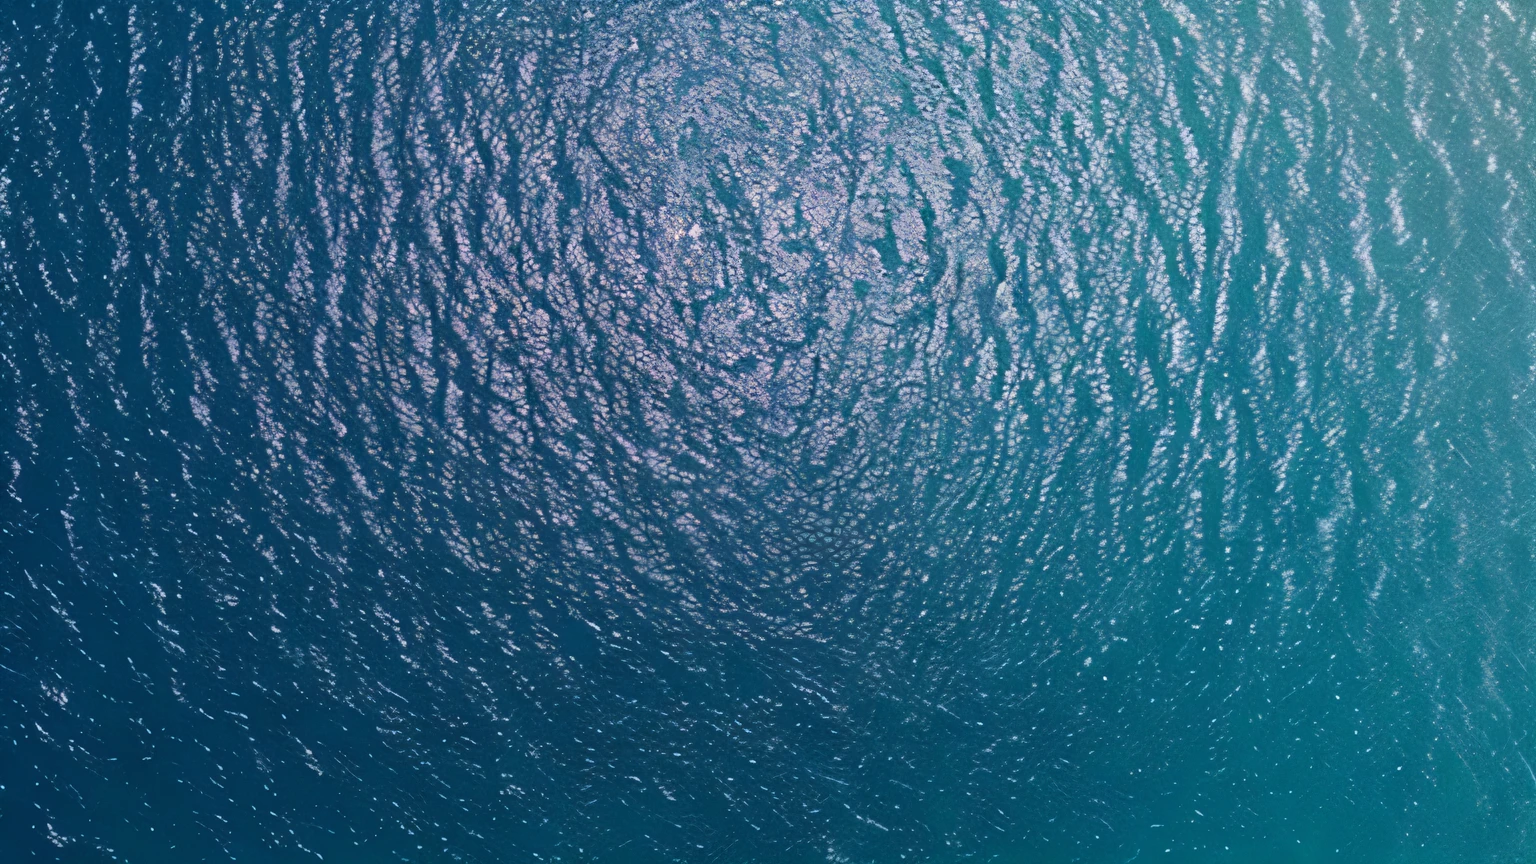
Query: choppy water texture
733,432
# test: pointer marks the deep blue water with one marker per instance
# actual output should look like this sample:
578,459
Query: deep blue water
725,432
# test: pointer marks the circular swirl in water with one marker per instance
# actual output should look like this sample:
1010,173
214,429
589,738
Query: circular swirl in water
761,431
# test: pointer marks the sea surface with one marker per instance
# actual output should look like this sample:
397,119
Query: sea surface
723,432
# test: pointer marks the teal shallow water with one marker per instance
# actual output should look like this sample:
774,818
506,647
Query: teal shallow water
782,432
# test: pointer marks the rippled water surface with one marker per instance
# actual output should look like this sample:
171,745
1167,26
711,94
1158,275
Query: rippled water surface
727,432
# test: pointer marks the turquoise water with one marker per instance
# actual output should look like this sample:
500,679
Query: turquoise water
728,432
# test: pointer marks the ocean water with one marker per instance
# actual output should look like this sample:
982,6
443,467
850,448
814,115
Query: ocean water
725,432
